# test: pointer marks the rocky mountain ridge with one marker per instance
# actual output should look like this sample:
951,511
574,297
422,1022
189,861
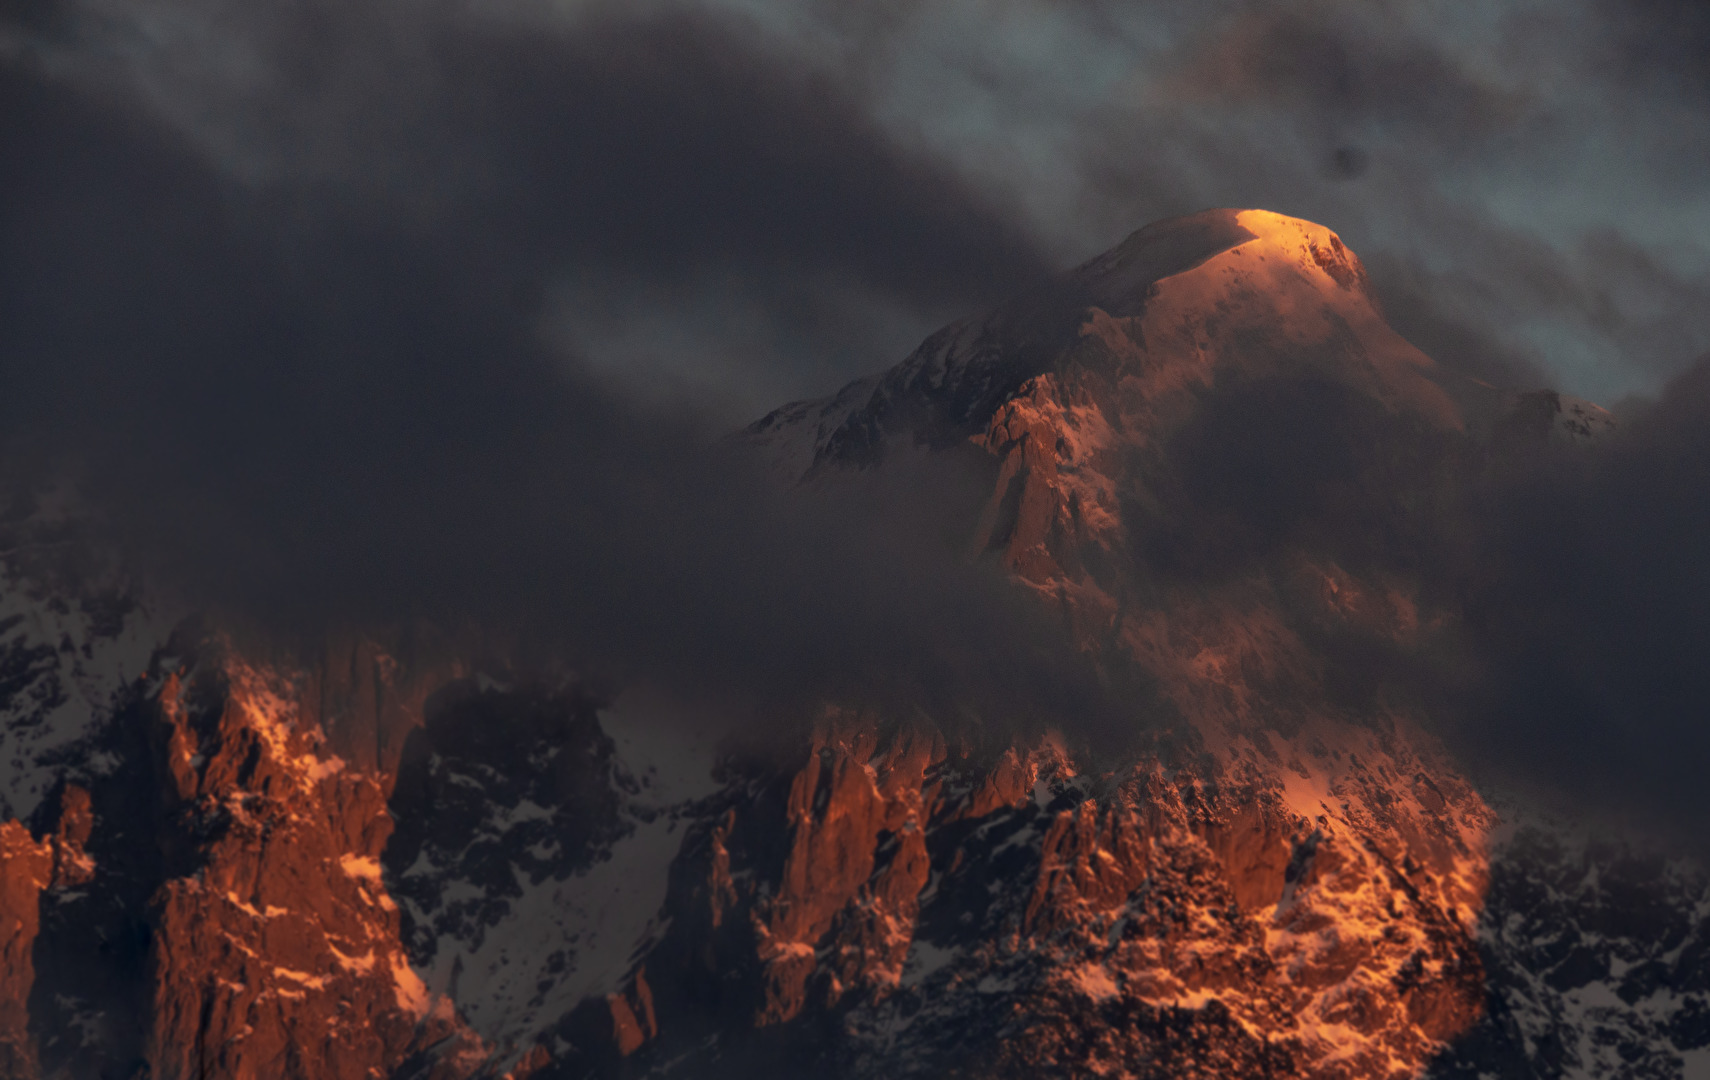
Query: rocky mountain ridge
1209,455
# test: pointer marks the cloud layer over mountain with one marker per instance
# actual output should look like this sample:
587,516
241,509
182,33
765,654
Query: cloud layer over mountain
381,309
1589,619
319,389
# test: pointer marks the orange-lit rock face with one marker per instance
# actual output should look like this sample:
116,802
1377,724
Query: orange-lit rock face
250,853
284,942
30,867
1219,916
25,869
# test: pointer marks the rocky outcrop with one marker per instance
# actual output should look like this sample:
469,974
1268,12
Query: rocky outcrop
217,908
281,951
25,868
903,885
29,867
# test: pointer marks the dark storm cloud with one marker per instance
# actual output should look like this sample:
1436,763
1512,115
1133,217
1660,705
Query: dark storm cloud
1418,306
1320,62
309,385
1590,617
1656,44
665,147
671,151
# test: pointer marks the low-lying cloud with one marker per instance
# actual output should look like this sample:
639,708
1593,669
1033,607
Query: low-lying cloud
311,384
1589,617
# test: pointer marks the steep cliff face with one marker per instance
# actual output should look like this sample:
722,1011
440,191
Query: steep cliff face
1007,916
25,866
1214,463
229,918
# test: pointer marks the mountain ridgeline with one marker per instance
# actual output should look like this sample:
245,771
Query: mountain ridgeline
1208,460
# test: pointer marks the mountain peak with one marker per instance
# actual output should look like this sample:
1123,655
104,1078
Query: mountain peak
1124,274
1180,307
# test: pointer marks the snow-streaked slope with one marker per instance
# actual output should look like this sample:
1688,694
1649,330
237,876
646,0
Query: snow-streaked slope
548,881
1597,955
74,632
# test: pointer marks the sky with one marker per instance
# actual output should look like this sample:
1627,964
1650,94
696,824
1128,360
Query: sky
383,309
752,202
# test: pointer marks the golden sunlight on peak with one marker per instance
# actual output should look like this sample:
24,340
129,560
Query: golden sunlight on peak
1282,229
1305,241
